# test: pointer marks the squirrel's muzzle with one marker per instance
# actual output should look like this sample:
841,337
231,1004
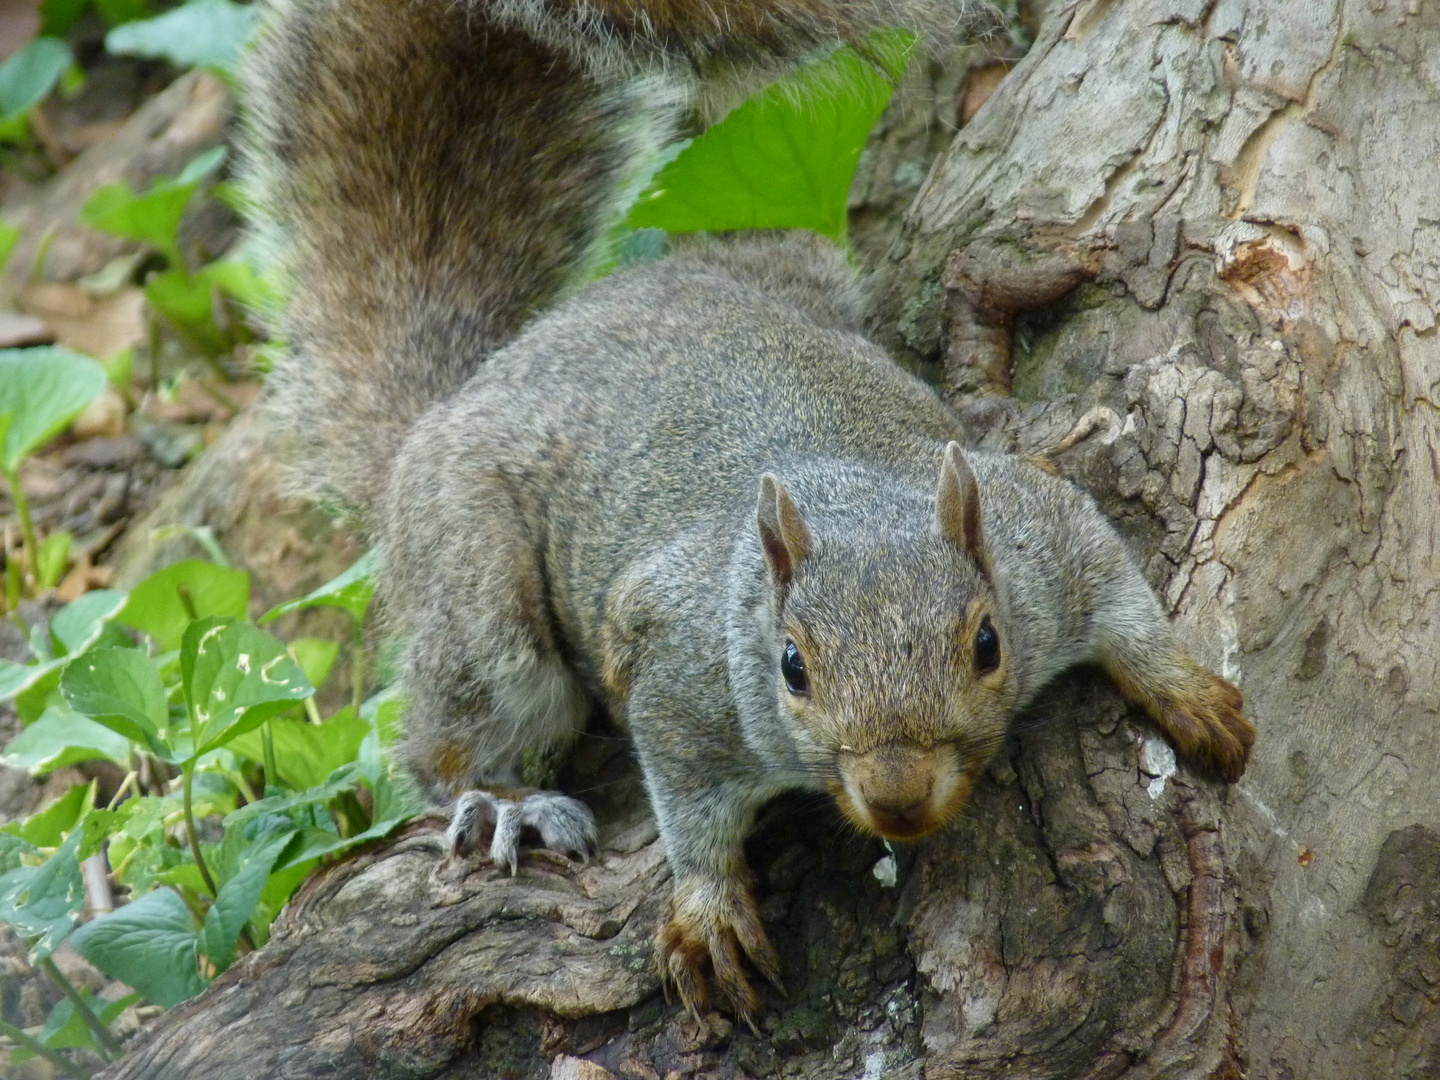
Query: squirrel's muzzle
902,790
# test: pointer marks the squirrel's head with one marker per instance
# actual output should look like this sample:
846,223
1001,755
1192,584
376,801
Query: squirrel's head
892,668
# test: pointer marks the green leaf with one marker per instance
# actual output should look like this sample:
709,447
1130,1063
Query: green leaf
79,624
52,559
244,282
41,391
316,657
238,897
157,607
63,737
306,754
121,689
49,826
44,902
385,710
9,237
150,944
28,76
66,1029
204,33
153,217
116,12
57,16
236,677
342,779
352,590
186,298
15,679
782,160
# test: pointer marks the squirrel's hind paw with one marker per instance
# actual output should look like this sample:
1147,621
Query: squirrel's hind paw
565,825
1205,720
719,923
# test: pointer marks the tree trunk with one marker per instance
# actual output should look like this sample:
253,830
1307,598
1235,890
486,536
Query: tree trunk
1192,250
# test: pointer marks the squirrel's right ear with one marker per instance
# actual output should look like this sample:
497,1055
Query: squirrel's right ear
957,507
784,536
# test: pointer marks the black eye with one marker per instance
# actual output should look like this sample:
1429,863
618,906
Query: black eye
792,667
987,647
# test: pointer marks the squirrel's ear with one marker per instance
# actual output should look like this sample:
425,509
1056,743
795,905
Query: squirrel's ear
957,507
784,536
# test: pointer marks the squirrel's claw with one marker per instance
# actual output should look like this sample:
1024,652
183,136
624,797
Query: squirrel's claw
718,923
565,825
1204,717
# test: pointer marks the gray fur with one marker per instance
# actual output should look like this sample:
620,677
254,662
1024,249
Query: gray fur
567,508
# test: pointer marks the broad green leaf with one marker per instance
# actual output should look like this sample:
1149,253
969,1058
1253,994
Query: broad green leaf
49,827
204,33
157,605
245,283
28,76
237,899
185,297
15,679
153,217
122,689
44,902
316,657
57,16
150,944
782,160
39,695
79,624
42,390
53,559
63,737
116,12
340,780
385,710
236,677
9,237
66,1029
317,843
306,754
352,590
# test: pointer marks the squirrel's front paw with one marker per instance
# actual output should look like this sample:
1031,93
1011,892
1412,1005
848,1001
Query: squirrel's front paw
564,824
1204,719
715,920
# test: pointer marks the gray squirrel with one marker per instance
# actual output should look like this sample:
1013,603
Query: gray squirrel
691,494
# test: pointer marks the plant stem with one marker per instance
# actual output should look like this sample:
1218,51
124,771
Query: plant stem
22,507
109,1047
267,742
39,1049
312,711
358,662
193,835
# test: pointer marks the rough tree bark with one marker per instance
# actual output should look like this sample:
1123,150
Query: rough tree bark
1192,249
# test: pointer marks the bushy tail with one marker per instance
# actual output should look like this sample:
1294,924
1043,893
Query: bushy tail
433,171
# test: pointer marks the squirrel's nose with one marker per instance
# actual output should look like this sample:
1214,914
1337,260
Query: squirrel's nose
900,790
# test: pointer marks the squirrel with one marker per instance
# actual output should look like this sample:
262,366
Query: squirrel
692,494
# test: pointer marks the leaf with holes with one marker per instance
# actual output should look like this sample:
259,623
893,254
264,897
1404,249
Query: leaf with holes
236,677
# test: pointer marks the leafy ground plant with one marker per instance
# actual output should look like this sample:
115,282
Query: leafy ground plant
207,832
41,391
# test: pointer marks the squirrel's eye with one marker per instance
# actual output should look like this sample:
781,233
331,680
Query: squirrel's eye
792,667
987,647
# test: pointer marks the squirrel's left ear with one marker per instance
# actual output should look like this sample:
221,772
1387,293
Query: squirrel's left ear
784,536
957,507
